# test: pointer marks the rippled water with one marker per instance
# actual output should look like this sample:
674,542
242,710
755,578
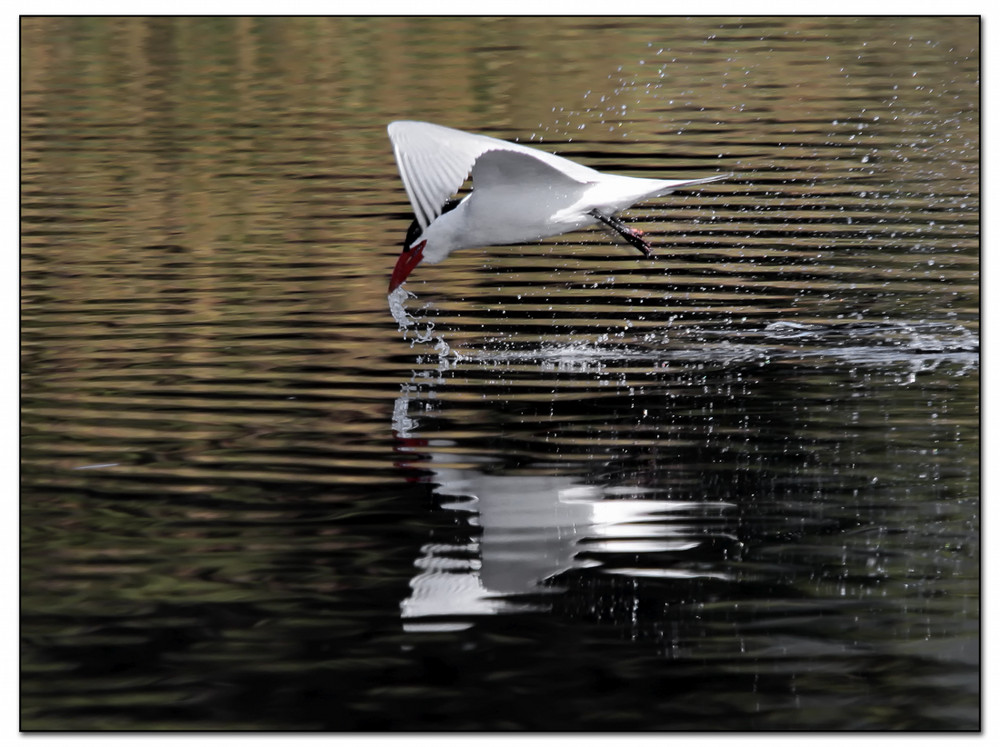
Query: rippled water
549,487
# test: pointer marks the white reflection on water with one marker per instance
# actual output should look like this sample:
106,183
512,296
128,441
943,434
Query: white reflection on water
531,528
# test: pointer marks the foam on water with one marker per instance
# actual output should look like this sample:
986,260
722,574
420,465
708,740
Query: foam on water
932,337
921,345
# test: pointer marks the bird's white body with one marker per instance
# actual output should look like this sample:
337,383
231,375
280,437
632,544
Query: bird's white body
519,194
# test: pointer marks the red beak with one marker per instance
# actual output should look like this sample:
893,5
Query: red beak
409,259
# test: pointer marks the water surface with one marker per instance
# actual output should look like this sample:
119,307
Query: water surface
732,487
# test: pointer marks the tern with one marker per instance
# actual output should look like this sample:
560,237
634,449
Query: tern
519,194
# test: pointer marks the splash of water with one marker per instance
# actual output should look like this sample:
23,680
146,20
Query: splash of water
422,329
418,330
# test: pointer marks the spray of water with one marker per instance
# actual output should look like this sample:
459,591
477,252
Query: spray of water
415,328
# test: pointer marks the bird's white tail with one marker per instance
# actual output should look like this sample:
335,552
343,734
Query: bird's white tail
670,186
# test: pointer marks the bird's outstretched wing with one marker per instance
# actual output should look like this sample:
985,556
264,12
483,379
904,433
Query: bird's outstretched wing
523,172
434,161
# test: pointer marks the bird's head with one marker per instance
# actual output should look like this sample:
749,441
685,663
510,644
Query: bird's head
439,233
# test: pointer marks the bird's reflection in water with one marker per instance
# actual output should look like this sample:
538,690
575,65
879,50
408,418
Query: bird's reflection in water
521,531
558,467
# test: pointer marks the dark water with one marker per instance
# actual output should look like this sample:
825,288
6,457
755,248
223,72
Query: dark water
735,487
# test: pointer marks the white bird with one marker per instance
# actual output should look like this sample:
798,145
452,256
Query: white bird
519,194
